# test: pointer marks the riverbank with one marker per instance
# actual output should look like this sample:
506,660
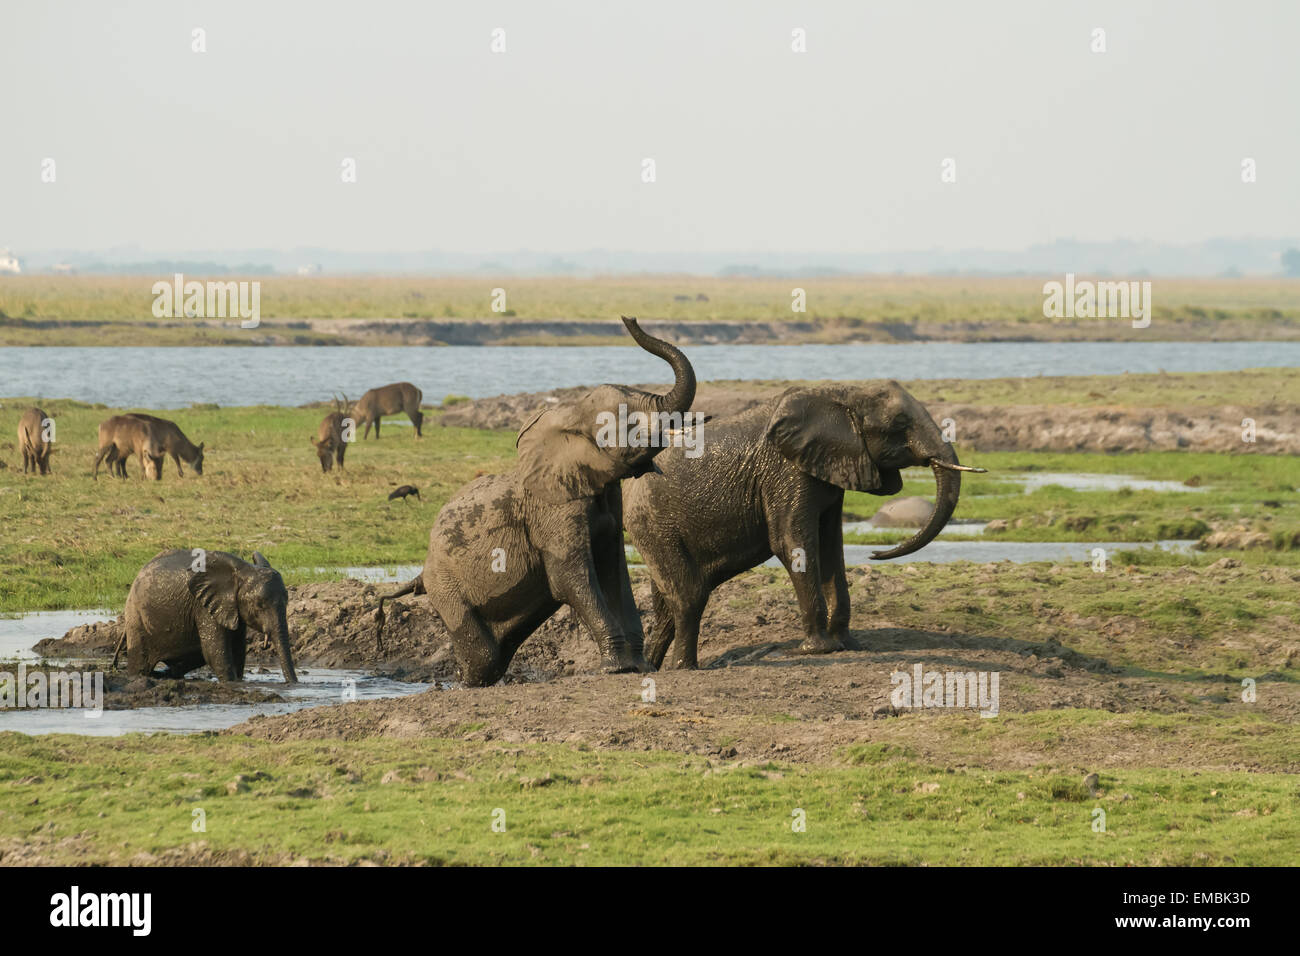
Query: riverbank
691,310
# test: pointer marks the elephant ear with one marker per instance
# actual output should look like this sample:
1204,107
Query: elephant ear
215,590
559,461
820,435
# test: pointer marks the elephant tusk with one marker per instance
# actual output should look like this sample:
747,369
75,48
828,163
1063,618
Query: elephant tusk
935,462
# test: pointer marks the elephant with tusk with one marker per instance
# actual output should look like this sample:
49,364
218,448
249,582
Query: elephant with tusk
771,481
508,550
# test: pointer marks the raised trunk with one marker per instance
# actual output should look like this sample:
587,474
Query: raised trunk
948,488
683,391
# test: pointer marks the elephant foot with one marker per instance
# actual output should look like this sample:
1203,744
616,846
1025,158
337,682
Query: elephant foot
822,644
624,660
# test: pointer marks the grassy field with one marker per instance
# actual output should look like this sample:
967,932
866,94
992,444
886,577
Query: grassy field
89,310
1188,776
69,542
139,800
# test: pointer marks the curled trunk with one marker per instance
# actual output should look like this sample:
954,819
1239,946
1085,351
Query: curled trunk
948,489
683,391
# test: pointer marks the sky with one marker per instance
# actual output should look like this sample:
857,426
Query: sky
839,149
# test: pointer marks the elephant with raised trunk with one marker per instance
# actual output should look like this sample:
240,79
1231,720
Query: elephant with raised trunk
508,550
771,481
189,608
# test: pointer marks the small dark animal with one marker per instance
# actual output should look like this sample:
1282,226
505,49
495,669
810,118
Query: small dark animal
405,491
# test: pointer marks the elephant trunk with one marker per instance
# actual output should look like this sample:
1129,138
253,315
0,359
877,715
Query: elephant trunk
947,476
683,391
280,636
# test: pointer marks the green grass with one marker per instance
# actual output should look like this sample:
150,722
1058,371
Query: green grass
68,541
1261,492
133,799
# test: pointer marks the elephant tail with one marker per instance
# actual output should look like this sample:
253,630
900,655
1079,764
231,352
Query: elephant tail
121,642
414,586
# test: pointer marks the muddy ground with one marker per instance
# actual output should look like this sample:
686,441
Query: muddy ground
754,696
1119,428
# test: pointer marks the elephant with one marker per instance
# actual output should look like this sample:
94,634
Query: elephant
122,436
172,441
184,618
508,550
771,481
389,400
32,442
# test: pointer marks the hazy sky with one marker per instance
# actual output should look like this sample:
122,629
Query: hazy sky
838,149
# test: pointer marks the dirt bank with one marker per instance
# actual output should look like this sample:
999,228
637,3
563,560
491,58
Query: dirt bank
1037,427
756,698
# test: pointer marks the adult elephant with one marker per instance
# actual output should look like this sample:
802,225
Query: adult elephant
189,608
771,481
508,550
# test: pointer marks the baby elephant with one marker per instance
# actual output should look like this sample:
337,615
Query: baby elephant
189,608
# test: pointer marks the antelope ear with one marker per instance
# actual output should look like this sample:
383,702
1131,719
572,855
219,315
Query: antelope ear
215,590
819,435
560,462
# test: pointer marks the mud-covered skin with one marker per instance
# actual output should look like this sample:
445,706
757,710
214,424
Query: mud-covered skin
184,618
122,436
173,442
31,441
508,550
389,400
771,481
329,443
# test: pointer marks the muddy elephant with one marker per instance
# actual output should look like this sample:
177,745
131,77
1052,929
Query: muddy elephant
771,481
172,441
122,436
389,400
184,618
32,441
508,550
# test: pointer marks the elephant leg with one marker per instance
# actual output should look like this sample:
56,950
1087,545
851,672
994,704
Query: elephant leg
686,627
835,584
615,584
238,652
178,667
801,555
574,581
478,654
215,643
663,632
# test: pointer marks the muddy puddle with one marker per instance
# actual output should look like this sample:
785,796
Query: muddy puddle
1088,481
18,633
318,686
